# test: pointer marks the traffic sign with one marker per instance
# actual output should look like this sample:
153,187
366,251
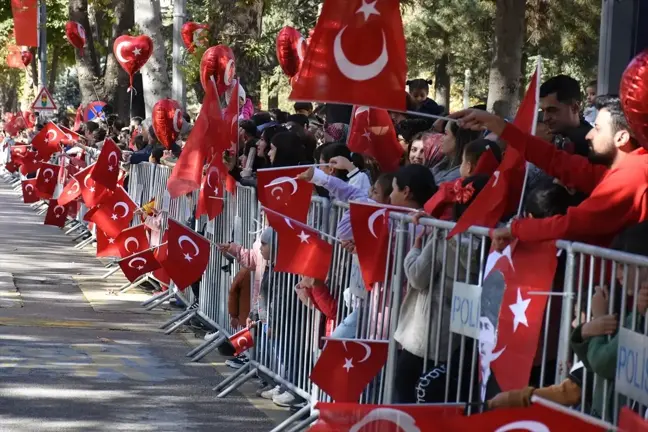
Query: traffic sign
44,101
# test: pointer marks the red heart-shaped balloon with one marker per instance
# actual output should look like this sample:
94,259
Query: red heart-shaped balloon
75,34
193,35
26,57
291,49
167,121
132,52
634,96
218,62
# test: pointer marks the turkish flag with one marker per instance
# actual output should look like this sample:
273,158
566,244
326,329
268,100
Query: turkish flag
132,241
356,56
11,167
373,134
70,137
301,250
18,152
48,140
30,163
14,60
106,246
344,368
187,173
242,341
370,227
536,417
106,170
78,120
56,214
344,417
502,193
210,198
29,117
487,163
161,254
30,194
187,256
25,15
47,179
278,190
629,421
526,267
231,119
91,192
139,264
114,214
70,192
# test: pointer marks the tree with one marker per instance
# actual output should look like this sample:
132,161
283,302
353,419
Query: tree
148,16
506,66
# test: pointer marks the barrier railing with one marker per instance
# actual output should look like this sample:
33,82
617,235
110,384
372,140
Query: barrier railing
287,341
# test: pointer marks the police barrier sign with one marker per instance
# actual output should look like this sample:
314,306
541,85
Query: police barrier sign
464,318
632,366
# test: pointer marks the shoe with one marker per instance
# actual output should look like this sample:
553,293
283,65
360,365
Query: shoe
237,362
264,389
270,394
294,408
210,335
285,399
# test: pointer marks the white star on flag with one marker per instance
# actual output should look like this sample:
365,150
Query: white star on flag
110,168
113,217
46,180
368,9
92,189
187,257
140,268
348,364
367,135
303,237
137,51
111,241
519,311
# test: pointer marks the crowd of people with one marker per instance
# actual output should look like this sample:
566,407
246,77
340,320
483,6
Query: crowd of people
587,181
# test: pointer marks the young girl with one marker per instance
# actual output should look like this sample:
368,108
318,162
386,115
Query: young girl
423,328
419,89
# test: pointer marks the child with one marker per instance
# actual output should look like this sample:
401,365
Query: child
246,108
419,89
590,112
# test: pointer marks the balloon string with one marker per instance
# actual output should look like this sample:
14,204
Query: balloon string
131,100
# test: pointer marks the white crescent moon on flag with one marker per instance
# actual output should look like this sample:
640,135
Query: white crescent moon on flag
372,220
113,153
29,188
361,110
118,53
134,260
75,188
188,239
85,180
300,49
359,72
48,170
128,241
290,180
56,210
209,173
238,342
48,134
367,351
289,223
177,120
528,425
229,73
402,420
123,205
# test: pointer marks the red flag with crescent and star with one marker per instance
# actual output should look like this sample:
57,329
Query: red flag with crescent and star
356,56
70,192
91,192
210,198
280,191
30,194
47,180
370,227
132,241
373,134
187,255
71,137
106,170
106,246
30,163
161,254
114,214
300,250
56,214
25,18
48,141
139,264
18,152
242,341
344,417
344,368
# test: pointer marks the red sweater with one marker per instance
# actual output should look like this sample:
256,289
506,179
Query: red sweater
617,196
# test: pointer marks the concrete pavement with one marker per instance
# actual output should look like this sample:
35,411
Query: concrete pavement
75,358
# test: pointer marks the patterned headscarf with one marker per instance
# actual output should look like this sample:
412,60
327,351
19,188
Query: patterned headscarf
336,133
432,149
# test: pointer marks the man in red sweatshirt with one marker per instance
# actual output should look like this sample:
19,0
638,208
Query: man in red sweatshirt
615,177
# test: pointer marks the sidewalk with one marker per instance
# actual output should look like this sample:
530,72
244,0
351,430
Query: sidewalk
75,358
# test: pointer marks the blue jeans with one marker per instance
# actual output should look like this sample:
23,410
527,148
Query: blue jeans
347,328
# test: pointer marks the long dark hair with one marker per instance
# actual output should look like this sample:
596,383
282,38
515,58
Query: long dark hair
290,150
462,138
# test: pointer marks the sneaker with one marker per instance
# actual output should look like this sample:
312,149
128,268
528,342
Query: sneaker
211,335
294,408
237,362
264,389
270,394
285,399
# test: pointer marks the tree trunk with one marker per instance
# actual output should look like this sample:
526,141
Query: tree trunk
505,71
87,65
273,93
235,23
442,82
51,85
155,73
34,72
